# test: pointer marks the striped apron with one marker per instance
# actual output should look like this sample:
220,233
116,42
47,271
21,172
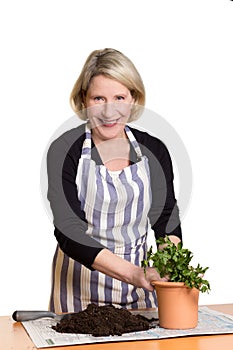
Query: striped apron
116,205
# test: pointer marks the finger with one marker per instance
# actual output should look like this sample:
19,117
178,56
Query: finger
164,279
150,287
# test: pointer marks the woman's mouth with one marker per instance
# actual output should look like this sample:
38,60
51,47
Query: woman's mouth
109,123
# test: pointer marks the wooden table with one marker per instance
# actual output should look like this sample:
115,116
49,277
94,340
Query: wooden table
14,337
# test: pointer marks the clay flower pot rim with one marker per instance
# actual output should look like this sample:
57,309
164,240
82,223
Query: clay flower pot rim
168,284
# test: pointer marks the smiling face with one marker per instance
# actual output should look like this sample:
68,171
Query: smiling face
108,104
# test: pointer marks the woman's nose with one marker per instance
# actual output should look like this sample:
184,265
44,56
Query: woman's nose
109,111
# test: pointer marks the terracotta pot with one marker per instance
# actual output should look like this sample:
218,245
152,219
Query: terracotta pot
177,305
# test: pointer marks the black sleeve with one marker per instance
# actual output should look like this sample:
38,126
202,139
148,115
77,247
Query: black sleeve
164,212
69,219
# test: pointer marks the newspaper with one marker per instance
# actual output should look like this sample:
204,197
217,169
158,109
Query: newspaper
209,322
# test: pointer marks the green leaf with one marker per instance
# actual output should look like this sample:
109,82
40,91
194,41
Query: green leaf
174,261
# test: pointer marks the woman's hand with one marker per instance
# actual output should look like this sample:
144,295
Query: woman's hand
116,267
144,277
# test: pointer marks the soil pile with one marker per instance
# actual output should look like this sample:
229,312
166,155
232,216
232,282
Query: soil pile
102,321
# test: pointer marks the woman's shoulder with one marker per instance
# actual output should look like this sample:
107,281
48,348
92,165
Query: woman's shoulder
153,143
68,140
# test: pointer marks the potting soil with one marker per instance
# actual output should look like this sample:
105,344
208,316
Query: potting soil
102,321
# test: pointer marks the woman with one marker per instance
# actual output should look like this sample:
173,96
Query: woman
109,184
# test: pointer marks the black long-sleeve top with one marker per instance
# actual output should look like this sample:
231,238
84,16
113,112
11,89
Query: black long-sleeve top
69,219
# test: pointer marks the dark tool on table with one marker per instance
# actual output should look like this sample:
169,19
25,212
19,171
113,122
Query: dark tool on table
21,316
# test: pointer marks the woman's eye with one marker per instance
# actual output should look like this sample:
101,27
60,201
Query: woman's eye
98,98
120,98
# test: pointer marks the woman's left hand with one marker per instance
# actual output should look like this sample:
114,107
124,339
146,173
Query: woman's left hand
144,279
116,267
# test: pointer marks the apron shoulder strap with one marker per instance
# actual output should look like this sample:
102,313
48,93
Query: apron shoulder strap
133,141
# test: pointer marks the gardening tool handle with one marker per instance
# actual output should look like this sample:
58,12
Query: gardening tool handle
21,315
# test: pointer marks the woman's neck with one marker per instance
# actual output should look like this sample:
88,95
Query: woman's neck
115,153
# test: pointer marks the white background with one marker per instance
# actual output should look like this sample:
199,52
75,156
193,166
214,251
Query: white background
183,50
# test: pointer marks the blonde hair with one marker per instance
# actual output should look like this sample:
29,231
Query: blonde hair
115,65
